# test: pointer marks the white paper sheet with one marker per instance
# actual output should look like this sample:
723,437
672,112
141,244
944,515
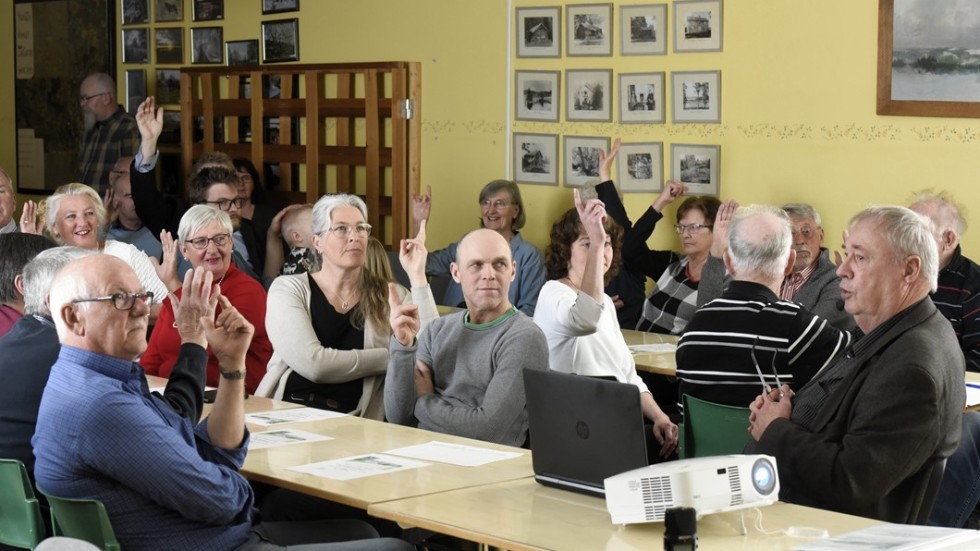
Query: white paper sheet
454,454
895,537
282,437
972,394
656,348
296,415
358,466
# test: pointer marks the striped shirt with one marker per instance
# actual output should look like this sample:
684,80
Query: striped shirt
958,299
795,281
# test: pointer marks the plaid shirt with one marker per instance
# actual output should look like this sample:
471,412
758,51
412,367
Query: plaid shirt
795,281
672,303
103,145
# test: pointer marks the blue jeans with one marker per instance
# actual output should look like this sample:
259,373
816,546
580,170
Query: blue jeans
959,491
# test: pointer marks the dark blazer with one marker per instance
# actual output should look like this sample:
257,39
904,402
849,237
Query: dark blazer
821,294
898,408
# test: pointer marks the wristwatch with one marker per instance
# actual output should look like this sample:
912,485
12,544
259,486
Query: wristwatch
233,375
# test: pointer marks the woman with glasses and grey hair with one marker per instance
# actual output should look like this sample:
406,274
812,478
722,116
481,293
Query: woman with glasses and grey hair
329,327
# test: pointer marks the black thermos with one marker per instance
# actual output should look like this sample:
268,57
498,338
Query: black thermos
680,529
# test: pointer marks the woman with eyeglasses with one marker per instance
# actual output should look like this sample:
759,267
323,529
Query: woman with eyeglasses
204,238
329,327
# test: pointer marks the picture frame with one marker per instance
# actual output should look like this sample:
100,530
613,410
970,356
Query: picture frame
168,87
242,52
206,45
169,11
208,10
279,6
280,40
136,45
698,26
537,95
588,30
909,81
643,29
135,89
169,44
641,98
581,154
134,12
696,166
535,158
696,96
537,31
640,167
588,95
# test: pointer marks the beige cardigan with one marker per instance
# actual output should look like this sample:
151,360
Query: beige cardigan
296,347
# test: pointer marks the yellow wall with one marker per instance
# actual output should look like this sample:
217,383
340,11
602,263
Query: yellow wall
798,105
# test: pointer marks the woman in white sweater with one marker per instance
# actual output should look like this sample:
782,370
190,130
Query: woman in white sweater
579,319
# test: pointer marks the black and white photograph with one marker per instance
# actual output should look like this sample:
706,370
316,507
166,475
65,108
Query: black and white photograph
537,96
581,155
209,10
588,95
697,26
135,89
640,167
589,29
169,11
643,29
280,40
697,167
242,52
641,98
206,45
136,45
279,6
170,45
696,96
536,158
168,87
171,127
538,32
135,12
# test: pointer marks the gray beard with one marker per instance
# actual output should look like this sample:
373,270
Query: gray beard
89,120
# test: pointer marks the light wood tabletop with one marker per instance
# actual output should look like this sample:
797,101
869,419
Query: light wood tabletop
663,363
522,515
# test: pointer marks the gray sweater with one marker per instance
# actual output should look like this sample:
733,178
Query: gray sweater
479,384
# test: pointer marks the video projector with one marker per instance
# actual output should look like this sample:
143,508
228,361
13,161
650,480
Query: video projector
708,484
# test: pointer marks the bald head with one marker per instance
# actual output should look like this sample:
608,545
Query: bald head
948,221
484,268
760,240
97,95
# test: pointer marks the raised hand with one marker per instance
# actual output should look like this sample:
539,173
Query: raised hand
149,120
672,190
167,270
404,318
196,302
606,160
592,213
421,207
28,219
719,231
412,254
229,334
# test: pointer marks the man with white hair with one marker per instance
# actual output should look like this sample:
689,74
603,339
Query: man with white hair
110,132
748,329
866,440
8,203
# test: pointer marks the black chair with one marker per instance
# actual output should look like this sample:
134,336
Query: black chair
920,489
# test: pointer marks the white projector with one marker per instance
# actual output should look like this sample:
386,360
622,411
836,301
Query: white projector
708,484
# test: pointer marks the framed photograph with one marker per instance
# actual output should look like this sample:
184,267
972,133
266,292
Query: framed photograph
588,95
242,52
135,12
923,69
135,89
641,98
536,95
696,96
536,158
209,10
643,29
279,6
170,45
280,40
696,166
589,29
136,45
206,45
697,26
170,10
168,87
538,32
582,159
640,167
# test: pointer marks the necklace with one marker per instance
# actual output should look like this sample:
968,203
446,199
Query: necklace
222,278
345,302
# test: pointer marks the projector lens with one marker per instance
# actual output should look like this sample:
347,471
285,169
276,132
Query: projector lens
763,476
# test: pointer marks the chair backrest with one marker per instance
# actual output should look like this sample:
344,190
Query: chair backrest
713,429
925,487
21,523
84,519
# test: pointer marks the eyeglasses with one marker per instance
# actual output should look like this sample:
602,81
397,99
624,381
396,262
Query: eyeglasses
225,204
201,243
121,301
690,228
498,204
83,98
342,230
805,232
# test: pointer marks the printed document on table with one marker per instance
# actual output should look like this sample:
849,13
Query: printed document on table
359,466
454,454
896,537
282,437
972,394
655,348
295,415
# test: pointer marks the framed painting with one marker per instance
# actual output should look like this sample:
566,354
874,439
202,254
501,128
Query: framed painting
279,6
206,45
697,26
168,87
697,167
641,98
280,40
169,45
696,96
242,52
136,45
536,95
135,89
135,12
640,167
582,159
643,29
209,10
588,29
536,158
538,32
588,95
170,10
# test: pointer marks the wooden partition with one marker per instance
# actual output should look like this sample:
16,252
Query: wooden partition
315,129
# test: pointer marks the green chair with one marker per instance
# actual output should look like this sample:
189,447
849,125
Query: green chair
21,524
713,429
84,519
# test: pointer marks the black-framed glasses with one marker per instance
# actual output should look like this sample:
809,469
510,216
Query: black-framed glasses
83,98
121,301
344,230
225,204
201,243
690,228
498,204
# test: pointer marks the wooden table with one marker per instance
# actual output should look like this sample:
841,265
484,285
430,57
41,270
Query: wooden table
522,515
661,363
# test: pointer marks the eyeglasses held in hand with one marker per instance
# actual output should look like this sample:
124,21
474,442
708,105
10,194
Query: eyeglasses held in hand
121,301
690,228
765,386
342,230
201,243
225,204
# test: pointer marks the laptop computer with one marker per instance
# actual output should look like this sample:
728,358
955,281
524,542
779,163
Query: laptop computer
583,429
